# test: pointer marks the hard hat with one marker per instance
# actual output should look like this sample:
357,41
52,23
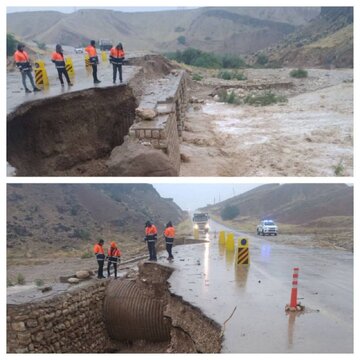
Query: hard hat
113,244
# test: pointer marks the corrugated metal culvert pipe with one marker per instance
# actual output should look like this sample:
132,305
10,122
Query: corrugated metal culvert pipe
129,315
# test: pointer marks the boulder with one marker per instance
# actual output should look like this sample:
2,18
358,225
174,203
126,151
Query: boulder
135,159
82,274
73,280
145,114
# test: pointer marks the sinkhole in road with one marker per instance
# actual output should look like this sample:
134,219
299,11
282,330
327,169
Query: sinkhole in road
71,134
142,313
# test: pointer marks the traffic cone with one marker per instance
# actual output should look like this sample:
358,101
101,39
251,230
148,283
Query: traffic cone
294,306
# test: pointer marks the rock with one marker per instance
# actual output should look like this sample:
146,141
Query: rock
82,274
216,97
73,281
135,159
184,158
46,288
145,114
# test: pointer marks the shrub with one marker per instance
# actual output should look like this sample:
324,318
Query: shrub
299,73
230,61
11,44
229,212
87,254
41,45
229,75
231,98
9,283
181,40
262,59
39,282
197,77
82,234
20,279
263,99
339,169
179,29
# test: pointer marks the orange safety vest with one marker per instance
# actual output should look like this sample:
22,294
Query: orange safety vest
114,252
92,55
22,60
58,59
150,232
117,53
169,232
98,249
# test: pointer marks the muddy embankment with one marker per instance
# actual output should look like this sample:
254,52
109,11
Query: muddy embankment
71,134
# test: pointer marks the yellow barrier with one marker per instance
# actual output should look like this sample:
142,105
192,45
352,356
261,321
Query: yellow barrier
103,56
243,252
222,237
196,234
69,67
230,242
41,78
87,61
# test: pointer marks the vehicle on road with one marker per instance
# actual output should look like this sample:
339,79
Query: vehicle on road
267,227
79,50
105,44
201,222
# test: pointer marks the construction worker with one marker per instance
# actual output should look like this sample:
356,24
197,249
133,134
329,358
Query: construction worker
100,257
117,55
169,234
113,258
151,237
57,57
94,60
22,61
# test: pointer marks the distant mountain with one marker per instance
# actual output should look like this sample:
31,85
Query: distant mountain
60,217
239,30
292,203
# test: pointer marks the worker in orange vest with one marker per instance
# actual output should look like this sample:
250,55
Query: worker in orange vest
117,56
94,60
57,57
169,234
150,238
22,62
113,258
100,257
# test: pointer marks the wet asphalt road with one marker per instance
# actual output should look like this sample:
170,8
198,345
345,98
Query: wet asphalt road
207,277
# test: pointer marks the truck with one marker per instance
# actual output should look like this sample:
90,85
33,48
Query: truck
201,221
267,227
105,44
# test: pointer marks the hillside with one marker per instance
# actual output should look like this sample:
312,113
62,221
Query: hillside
68,218
292,203
235,30
326,41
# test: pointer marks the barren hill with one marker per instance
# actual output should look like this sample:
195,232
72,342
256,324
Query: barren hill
53,218
234,30
292,203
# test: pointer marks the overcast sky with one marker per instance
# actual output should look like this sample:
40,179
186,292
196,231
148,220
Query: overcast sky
193,196
70,9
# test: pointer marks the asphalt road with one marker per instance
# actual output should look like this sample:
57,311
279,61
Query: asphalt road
207,277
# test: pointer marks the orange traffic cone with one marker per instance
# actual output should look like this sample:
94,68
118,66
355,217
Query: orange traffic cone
294,306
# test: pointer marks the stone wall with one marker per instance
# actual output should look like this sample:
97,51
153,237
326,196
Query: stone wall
68,323
160,116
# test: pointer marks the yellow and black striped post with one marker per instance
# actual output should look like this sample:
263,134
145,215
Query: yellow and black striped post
243,252
87,61
103,56
41,78
69,67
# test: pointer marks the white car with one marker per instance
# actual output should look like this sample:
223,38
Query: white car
79,50
267,227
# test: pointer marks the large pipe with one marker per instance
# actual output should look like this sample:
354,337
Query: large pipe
130,315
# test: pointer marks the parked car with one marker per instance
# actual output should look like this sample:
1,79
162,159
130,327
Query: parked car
79,50
267,227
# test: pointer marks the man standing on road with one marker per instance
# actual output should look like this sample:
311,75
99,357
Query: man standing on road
100,257
151,237
94,60
22,61
169,234
117,55
58,59
113,258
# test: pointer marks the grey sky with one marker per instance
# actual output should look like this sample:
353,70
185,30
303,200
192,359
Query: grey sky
193,196
70,9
